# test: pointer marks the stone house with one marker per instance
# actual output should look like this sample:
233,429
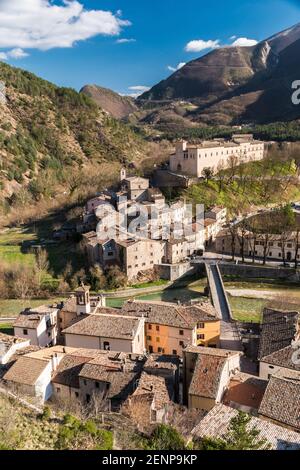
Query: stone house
108,332
206,375
281,401
31,374
280,330
169,327
258,245
110,380
190,159
39,325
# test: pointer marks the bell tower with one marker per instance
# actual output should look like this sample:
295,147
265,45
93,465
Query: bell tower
123,174
83,304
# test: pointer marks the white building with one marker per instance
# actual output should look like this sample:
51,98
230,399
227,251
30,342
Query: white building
31,374
39,325
216,154
9,345
109,332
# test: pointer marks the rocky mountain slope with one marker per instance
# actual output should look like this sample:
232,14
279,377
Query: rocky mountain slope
116,105
236,84
45,129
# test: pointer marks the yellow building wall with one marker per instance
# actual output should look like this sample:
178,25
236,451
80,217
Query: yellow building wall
159,339
201,403
211,332
168,339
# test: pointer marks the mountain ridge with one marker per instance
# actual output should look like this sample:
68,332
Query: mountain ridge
227,83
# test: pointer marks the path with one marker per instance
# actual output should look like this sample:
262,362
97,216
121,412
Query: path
230,337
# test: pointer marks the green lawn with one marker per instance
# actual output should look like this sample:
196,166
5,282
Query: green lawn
6,328
13,252
247,310
12,307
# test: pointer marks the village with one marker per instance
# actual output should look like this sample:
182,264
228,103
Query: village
154,360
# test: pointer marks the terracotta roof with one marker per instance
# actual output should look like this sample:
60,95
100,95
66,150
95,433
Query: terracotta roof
279,329
281,401
119,374
283,358
28,320
245,390
216,423
166,313
212,351
31,317
156,387
69,305
157,361
26,370
207,375
106,326
69,369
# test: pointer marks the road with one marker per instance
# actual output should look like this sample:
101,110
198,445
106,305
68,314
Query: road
212,257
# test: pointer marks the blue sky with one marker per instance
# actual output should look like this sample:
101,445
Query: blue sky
73,43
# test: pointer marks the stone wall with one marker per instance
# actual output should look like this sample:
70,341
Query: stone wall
256,272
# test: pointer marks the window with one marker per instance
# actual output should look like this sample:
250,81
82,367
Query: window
149,338
181,343
97,385
76,394
88,398
159,350
174,352
157,327
200,336
58,390
271,367
181,332
106,346
201,326
110,253
25,332
84,382
149,327
157,339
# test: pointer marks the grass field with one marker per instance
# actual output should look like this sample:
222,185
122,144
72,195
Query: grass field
247,310
12,251
12,307
6,328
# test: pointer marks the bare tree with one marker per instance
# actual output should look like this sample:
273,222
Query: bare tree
41,265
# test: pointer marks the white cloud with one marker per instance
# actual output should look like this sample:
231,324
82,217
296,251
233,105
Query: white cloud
244,42
125,40
16,53
140,88
137,90
43,25
199,45
178,67
232,38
